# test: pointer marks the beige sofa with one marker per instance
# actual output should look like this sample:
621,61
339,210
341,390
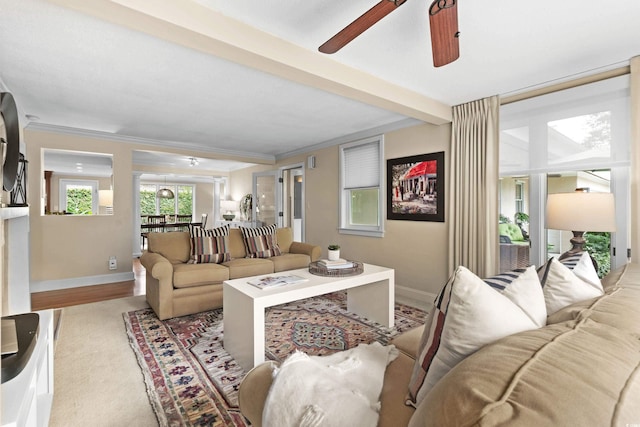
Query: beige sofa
583,368
176,288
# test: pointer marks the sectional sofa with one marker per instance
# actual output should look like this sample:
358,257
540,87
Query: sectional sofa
177,287
582,367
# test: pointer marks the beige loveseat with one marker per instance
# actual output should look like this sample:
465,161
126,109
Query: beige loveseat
582,369
176,288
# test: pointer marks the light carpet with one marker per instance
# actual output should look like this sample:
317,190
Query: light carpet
192,381
97,380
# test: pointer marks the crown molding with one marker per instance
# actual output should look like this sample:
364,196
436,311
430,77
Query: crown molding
157,144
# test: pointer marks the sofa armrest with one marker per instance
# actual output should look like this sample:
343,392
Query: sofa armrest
159,283
159,267
253,391
305,248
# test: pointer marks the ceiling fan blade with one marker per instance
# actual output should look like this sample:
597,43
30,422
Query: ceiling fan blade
443,20
360,25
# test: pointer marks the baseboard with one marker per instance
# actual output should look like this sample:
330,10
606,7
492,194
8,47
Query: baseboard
77,282
414,297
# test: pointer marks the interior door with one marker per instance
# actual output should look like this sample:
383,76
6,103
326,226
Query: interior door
279,198
267,198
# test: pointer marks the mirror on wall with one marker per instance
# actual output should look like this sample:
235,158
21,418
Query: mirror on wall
77,183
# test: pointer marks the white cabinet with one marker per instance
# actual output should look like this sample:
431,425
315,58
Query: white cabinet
27,398
235,224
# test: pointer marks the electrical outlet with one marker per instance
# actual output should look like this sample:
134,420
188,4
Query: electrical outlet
113,264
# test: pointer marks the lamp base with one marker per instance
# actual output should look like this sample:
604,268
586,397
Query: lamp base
578,242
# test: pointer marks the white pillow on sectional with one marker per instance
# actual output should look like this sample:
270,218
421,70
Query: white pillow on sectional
582,266
522,286
562,287
467,315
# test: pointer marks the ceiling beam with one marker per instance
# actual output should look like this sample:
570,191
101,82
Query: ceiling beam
198,27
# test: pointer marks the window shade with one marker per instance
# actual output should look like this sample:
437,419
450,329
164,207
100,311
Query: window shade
580,128
362,166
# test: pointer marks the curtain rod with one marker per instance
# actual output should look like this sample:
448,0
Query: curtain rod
616,72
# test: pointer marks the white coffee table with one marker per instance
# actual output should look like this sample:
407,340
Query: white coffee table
369,294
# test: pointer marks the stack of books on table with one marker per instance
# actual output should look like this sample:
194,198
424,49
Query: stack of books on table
333,264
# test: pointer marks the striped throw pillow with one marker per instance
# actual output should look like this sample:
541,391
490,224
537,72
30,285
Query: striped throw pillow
467,315
260,242
568,281
209,246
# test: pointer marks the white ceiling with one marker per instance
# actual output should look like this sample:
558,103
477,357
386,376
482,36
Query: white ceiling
79,72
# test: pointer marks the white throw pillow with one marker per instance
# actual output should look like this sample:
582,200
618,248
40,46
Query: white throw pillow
569,281
468,314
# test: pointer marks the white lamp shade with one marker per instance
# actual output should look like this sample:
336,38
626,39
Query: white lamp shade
229,206
580,211
105,198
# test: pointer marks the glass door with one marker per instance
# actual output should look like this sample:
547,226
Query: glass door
266,196
279,199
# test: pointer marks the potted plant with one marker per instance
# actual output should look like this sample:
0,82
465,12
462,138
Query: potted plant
522,219
333,252
246,206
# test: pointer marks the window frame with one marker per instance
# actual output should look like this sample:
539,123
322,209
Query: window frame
345,227
174,187
66,182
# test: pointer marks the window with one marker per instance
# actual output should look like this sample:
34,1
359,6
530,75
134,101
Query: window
558,142
181,204
519,196
79,197
362,201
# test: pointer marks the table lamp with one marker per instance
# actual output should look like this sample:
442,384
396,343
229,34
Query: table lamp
579,212
228,207
105,199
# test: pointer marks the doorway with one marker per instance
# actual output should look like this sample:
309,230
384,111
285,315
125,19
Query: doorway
279,198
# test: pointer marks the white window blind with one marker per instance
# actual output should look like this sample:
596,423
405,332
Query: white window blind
581,128
362,166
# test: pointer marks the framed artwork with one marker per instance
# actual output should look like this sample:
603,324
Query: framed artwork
415,187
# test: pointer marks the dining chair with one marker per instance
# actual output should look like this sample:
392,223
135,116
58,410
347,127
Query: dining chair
183,222
155,224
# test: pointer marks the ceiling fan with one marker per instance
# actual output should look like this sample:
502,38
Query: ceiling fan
443,21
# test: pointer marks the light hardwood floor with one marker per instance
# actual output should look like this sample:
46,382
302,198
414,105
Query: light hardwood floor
87,294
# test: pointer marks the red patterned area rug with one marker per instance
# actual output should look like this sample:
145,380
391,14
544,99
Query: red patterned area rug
192,381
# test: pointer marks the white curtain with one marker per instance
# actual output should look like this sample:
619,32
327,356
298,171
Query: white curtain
473,187
635,159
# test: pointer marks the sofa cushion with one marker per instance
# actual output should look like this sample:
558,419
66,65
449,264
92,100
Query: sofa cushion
209,246
284,237
260,242
512,231
617,307
468,314
247,267
409,342
567,374
236,244
568,281
286,262
174,246
190,275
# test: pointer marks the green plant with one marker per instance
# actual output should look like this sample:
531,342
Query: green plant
333,247
598,244
78,201
521,218
503,219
